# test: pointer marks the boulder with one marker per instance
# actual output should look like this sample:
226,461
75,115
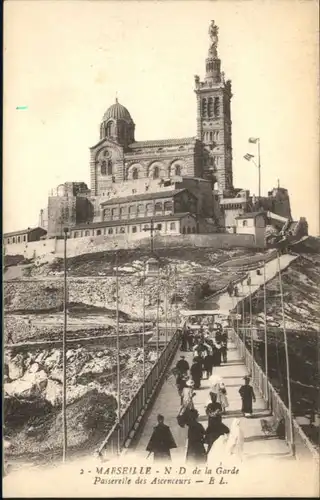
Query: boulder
38,379
23,389
53,393
53,360
16,367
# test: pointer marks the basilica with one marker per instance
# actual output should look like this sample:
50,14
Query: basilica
182,185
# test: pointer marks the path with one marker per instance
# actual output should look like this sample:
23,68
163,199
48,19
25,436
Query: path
168,404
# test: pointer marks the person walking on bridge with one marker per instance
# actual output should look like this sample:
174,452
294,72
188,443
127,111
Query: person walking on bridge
247,395
161,441
196,453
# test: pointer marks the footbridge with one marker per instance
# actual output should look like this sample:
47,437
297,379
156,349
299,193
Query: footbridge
159,395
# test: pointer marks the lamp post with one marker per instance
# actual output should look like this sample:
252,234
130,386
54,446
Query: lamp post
64,349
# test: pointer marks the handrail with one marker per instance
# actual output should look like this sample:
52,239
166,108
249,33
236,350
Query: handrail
303,448
140,401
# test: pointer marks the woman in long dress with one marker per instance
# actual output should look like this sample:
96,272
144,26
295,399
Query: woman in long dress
235,441
187,405
222,397
196,453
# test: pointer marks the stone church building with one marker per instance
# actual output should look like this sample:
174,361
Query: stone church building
185,184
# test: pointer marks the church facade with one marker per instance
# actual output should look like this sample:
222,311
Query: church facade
133,180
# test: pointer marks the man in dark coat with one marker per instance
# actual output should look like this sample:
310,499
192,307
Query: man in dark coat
161,441
196,372
247,395
182,365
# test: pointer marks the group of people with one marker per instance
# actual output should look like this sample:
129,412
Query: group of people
204,445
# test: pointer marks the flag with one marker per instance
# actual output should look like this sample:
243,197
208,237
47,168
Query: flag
253,140
248,156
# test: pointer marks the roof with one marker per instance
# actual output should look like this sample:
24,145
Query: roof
162,142
144,196
213,312
250,215
117,112
23,231
136,220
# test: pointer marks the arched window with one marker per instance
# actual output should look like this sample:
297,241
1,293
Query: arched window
168,206
114,213
87,233
158,207
140,210
244,223
98,232
211,136
216,106
13,240
149,208
109,129
210,107
110,230
109,167
132,210
24,238
123,212
104,168
18,239
178,170
156,173
204,107
135,174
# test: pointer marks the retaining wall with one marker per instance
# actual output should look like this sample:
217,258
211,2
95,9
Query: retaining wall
79,246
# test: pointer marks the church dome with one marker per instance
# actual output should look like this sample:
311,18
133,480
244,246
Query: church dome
117,112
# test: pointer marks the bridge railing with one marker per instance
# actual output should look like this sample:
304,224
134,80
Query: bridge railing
119,434
299,444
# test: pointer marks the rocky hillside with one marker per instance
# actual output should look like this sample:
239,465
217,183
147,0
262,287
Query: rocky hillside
33,397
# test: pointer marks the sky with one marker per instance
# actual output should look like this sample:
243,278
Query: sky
66,61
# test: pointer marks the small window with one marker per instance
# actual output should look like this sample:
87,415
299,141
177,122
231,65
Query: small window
106,214
244,223
76,234
123,211
87,233
159,227
149,208
134,229
18,239
81,234
132,210
13,240
172,226
188,230
122,230
216,106
158,207
110,230
168,207
98,232
109,167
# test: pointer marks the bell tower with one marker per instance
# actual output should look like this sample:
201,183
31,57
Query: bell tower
214,118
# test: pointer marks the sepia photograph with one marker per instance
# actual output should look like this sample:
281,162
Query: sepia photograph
161,249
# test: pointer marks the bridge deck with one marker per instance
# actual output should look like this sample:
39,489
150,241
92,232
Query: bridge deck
168,404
